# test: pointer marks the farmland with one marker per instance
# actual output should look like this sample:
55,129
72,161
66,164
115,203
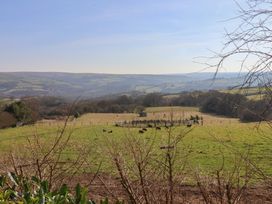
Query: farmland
136,102
252,93
205,145
94,85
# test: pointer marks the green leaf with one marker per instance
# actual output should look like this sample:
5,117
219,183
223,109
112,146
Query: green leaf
63,190
35,179
45,186
106,201
78,193
2,181
41,196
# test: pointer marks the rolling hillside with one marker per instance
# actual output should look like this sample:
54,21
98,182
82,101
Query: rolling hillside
18,84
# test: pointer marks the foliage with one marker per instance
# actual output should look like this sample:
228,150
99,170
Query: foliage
237,106
153,99
224,104
20,111
17,189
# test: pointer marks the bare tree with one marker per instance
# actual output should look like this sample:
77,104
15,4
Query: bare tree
250,43
249,46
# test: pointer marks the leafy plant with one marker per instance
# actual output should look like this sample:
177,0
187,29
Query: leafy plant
17,189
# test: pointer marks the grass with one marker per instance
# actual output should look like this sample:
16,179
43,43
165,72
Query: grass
205,144
3,102
252,93
172,108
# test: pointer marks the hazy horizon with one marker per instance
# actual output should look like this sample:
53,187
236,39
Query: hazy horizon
120,37
109,73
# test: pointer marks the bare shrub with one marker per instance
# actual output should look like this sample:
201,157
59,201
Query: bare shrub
54,158
148,171
7,120
226,185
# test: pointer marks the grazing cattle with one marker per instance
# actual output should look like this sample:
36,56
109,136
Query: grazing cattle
149,125
158,128
144,129
104,130
141,131
110,131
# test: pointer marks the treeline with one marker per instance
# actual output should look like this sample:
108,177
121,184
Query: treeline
215,102
238,106
29,110
226,104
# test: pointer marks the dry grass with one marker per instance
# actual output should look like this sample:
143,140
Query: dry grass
152,113
186,112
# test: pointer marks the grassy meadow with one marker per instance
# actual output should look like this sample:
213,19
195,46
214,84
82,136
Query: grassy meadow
203,146
252,93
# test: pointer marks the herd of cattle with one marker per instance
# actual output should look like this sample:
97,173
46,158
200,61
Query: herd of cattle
157,124
160,123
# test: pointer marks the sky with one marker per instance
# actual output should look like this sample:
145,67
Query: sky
111,36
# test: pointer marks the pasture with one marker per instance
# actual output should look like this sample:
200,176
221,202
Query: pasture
252,93
203,146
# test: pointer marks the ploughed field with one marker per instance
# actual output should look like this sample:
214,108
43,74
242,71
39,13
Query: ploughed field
201,147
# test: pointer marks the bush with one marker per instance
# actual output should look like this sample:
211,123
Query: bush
255,111
20,111
17,189
7,120
223,104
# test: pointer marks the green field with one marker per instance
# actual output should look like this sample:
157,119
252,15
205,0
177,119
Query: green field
251,93
204,145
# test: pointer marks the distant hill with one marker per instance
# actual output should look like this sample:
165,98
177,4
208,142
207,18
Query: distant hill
18,84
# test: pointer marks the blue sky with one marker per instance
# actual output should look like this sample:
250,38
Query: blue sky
117,36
